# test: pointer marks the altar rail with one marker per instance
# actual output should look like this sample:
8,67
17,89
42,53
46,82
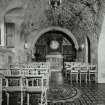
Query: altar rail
78,69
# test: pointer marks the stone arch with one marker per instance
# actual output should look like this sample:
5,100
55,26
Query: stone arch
13,10
66,31
15,5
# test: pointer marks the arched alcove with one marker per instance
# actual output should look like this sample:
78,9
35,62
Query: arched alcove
66,31
14,5
54,42
56,47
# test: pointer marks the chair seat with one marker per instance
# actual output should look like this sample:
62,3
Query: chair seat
83,71
74,71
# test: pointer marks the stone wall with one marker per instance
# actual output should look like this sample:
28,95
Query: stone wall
82,19
101,55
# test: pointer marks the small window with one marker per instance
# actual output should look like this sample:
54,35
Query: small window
10,31
2,38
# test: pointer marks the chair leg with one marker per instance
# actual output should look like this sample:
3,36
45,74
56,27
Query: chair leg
89,78
80,78
71,78
86,78
95,78
77,78
68,76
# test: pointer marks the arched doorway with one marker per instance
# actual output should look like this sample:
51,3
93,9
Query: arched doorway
66,31
55,45
52,42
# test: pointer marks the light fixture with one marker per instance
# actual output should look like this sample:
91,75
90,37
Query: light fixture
82,46
26,45
55,3
54,44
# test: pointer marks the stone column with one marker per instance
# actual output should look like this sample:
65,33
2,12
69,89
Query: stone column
2,33
101,54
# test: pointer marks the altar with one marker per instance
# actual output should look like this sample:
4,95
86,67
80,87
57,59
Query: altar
56,61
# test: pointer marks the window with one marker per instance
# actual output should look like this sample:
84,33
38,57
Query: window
2,38
55,3
10,30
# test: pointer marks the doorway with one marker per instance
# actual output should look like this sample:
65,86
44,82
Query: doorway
53,42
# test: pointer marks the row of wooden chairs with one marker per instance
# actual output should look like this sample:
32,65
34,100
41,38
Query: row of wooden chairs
33,77
31,65
80,72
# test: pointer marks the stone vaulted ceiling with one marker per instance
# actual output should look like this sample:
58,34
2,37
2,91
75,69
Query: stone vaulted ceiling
81,17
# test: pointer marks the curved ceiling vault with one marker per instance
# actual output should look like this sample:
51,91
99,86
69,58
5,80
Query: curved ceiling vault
65,31
78,16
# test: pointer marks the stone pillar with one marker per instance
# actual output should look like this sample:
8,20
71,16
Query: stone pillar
101,55
2,33
19,45
26,82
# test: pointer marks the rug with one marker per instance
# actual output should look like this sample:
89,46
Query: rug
62,93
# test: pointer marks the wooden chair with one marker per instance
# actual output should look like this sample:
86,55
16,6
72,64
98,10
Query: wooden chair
83,72
74,72
68,73
92,73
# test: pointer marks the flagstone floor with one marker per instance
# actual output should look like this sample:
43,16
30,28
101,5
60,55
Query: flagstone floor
61,92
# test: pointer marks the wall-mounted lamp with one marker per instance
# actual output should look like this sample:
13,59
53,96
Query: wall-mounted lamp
81,47
26,45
